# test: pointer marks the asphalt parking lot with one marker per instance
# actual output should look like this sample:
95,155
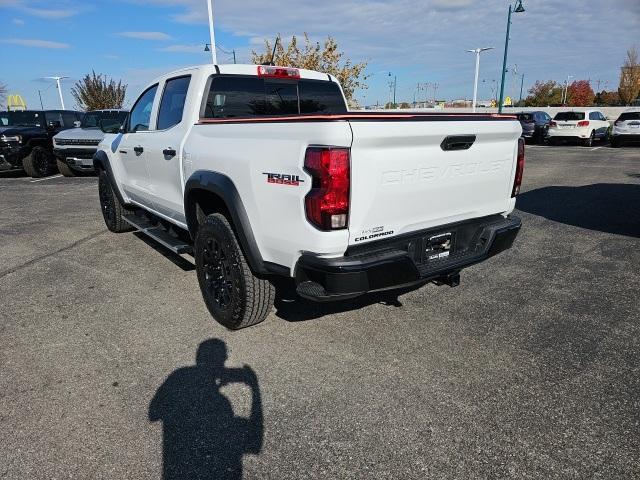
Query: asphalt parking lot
529,369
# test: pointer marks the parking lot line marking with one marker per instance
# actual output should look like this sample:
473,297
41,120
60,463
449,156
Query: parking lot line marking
43,179
594,149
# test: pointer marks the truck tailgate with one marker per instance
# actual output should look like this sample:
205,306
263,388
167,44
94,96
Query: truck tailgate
403,180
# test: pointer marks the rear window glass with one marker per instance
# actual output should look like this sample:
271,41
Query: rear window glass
320,97
234,96
569,116
525,117
629,116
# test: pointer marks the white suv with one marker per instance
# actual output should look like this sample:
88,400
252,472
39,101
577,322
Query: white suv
585,127
626,128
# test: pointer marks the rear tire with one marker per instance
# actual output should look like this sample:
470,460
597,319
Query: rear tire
233,295
38,163
588,142
65,169
112,209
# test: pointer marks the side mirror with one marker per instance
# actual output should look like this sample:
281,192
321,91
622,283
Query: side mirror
77,124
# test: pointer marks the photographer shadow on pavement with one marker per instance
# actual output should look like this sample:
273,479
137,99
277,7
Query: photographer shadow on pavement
202,438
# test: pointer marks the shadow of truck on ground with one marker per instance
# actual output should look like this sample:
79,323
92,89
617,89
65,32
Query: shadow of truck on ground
605,207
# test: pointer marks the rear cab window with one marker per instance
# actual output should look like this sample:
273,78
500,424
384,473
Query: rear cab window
172,103
569,116
238,96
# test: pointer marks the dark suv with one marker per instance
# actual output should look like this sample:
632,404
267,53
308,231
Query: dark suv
25,139
534,125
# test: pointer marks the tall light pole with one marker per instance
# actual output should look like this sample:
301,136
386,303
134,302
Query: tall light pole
565,97
57,79
519,9
212,35
477,51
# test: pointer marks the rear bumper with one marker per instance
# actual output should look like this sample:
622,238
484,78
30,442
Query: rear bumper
626,137
402,261
569,133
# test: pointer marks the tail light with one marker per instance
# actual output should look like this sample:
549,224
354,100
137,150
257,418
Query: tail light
553,124
618,122
277,72
327,204
583,123
517,181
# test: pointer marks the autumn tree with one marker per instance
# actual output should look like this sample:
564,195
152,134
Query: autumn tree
96,92
580,94
326,58
629,87
542,94
607,99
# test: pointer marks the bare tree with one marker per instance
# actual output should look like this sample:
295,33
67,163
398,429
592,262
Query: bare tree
629,87
327,59
96,91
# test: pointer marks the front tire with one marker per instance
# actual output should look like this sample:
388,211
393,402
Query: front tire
38,163
233,295
112,209
65,169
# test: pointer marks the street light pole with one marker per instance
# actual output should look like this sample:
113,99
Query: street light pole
519,9
57,79
477,51
211,32
521,86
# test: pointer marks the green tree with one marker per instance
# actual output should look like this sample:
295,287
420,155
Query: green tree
543,94
607,99
326,58
629,87
96,92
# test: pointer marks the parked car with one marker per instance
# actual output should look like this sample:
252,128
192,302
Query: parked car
74,148
626,128
583,127
261,171
534,125
26,139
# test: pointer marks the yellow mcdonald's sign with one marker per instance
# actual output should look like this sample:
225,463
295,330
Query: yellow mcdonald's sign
16,102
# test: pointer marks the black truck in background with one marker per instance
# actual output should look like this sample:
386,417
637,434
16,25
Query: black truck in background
26,139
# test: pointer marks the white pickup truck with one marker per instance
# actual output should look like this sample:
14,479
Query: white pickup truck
260,171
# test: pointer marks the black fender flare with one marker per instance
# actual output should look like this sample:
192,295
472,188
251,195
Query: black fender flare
101,162
222,186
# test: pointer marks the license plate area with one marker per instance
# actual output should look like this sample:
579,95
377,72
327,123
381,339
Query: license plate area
438,247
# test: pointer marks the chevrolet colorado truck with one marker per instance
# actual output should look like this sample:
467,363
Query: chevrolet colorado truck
26,139
262,171
74,148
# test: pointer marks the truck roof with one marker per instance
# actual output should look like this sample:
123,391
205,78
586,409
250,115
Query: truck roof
246,69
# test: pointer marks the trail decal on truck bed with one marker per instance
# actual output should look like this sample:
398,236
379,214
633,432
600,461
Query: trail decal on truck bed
283,179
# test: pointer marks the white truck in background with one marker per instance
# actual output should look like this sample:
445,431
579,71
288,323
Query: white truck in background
262,171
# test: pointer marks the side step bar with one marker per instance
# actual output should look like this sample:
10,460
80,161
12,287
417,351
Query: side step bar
158,234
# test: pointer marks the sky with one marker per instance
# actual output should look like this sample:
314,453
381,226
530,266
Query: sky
417,41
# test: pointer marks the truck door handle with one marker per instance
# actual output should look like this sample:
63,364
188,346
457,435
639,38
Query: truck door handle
138,149
457,142
169,152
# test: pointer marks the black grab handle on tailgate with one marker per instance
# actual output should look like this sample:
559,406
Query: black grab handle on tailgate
457,142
